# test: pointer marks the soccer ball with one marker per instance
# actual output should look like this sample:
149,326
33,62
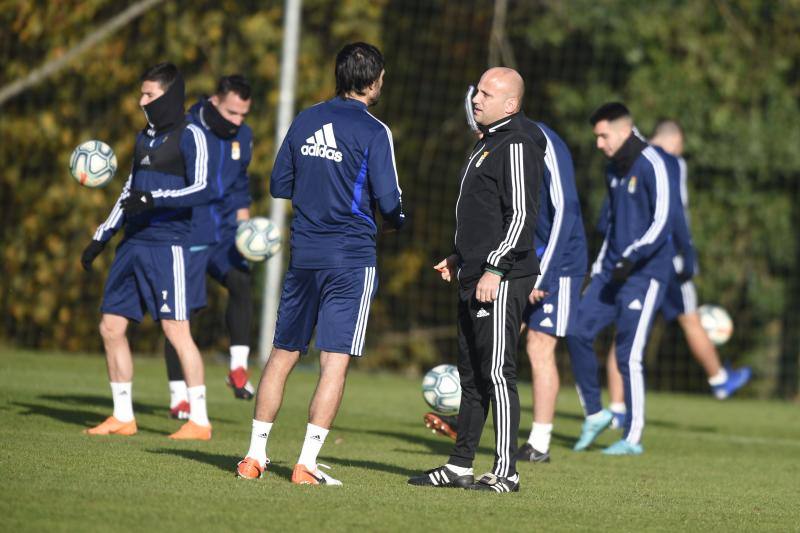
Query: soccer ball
258,239
717,323
441,388
93,164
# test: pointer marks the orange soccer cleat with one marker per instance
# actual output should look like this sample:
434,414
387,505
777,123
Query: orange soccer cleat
249,468
301,475
192,431
113,426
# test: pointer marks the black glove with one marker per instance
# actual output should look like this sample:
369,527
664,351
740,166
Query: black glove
685,275
622,270
137,202
90,253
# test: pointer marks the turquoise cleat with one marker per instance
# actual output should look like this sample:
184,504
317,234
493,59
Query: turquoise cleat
592,428
623,447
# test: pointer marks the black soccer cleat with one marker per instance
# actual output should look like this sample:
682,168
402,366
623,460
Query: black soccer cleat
442,477
528,453
491,482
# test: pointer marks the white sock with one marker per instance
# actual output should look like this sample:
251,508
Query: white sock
258,441
617,407
239,356
123,401
540,437
719,378
459,470
596,416
177,393
315,438
197,405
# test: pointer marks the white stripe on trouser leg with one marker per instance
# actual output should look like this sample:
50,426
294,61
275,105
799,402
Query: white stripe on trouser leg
635,373
689,295
359,334
581,400
499,381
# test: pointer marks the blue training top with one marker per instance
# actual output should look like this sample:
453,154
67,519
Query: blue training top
216,221
336,164
637,219
560,237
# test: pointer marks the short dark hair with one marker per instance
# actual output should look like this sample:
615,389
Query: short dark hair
235,83
358,65
609,111
163,73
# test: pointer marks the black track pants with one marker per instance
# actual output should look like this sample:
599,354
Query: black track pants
487,344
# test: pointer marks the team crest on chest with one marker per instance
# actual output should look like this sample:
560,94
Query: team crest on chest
482,157
632,185
236,151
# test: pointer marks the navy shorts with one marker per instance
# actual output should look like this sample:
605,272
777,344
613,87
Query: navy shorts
215,259
556,314
679,299
336,301
144,277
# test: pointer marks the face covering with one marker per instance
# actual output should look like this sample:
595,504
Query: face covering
222,127
166,111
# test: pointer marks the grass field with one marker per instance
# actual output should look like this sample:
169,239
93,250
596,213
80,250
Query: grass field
707,465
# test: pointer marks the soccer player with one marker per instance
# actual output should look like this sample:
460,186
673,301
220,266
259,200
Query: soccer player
680,300
560,244
212,241
629,276
170,175
336,164
496,266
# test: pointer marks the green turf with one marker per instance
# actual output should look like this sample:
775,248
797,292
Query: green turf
707,465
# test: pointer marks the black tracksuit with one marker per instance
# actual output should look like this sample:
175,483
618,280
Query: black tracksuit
495,222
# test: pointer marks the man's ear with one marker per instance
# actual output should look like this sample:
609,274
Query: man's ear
511,105
214,100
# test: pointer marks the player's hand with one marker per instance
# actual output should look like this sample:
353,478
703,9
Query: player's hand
622,270
536,296
137,202
487,288
447,267
90,253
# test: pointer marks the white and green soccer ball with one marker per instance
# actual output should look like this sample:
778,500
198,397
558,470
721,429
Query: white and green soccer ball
441,388
717,323
93,164
258,239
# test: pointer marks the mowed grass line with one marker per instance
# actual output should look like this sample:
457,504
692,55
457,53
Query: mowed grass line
708,465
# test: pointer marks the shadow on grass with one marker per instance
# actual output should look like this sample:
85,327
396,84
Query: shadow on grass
374,465
435,445
224,462
84,419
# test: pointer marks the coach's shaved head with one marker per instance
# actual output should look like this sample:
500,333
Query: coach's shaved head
668,134
499,94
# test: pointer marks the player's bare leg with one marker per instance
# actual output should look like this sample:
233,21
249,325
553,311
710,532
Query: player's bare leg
321,413
269,395
541,349
700,345
616,392
120,375
179,335
118,351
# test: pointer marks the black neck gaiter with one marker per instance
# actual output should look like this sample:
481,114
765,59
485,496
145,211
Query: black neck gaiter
166,111
219,125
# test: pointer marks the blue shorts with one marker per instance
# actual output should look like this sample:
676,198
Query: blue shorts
557,312
679,299
151,278
215,259
336,301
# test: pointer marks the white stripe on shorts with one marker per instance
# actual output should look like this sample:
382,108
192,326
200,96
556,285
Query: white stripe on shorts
564,297
360,332
689,296
178,283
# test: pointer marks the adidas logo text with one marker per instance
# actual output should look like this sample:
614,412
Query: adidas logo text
322,144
